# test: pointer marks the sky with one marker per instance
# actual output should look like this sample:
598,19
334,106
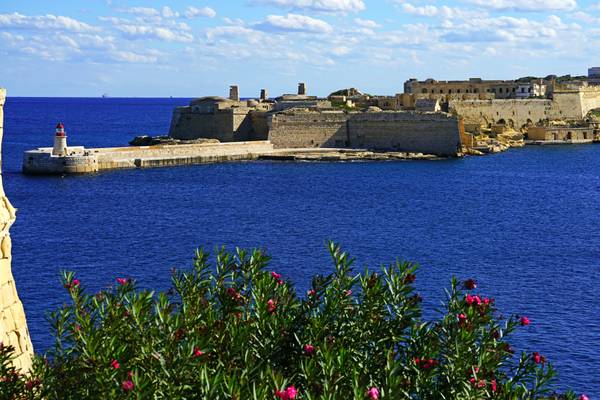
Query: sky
192,48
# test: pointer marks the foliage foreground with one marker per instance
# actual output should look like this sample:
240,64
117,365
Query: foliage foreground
240,331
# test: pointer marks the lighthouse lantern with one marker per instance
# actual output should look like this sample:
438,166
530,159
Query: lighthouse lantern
60,141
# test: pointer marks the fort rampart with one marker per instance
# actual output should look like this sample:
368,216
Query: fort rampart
431,133
13,326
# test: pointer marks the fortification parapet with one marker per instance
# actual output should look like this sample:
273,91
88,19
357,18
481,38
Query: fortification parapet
13,325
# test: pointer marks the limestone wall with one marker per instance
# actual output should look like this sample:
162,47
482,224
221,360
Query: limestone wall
187,124
13,326
296,128
565,105
431,133
514,113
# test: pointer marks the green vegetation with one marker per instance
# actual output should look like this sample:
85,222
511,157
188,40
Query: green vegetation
240,331
595,113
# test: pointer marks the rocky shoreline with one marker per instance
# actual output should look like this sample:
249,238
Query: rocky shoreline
337,155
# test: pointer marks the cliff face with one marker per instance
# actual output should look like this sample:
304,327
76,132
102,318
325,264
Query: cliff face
13,326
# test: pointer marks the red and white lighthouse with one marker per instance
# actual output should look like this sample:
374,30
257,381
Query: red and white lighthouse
60,141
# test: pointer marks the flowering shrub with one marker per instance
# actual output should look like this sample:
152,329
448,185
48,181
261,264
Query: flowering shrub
240,331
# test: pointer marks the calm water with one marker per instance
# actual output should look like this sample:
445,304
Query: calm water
525,224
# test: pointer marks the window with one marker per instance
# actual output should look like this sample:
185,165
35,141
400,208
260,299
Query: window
500,91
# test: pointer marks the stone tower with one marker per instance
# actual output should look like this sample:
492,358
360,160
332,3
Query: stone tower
234,93
13,326
264,95
302,89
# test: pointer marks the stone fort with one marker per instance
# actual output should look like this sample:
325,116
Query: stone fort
302,121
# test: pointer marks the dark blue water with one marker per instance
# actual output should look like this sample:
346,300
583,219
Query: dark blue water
525,223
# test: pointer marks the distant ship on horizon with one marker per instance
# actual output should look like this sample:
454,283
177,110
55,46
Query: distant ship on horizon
105,95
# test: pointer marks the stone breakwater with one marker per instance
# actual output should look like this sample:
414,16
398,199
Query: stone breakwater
13,326
79,160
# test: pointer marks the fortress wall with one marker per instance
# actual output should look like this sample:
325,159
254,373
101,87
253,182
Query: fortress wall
515,113
432,133
568,105
590,99
13,326
186,124
296,129
260,125
242,125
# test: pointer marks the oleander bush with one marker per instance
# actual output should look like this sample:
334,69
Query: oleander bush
241,331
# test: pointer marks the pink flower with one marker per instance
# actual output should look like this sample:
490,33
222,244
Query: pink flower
271,306
197,352
70,285
462,318
115,364
275,275
583,397
311,293
493,386
309,349
525,321
538,358
127,385
348,292
470,284
287,394
481,384
373,393
291,392
470,299
122,281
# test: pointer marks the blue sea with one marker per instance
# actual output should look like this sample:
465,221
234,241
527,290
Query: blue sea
525,223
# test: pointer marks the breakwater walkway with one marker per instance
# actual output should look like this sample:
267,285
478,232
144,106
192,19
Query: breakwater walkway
79,160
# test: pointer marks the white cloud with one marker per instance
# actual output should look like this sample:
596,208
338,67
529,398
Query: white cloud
133,31
328,6
167,12
131,57
443,11
294,23
340,51
366,23
527,5
192,12
140,11
44,22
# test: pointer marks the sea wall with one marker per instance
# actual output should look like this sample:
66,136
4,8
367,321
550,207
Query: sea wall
81,160
566,105
431,133
226,125
514,113
13,325
297,128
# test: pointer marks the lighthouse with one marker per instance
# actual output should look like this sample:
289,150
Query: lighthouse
60,141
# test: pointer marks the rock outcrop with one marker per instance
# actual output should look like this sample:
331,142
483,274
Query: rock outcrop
13,326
